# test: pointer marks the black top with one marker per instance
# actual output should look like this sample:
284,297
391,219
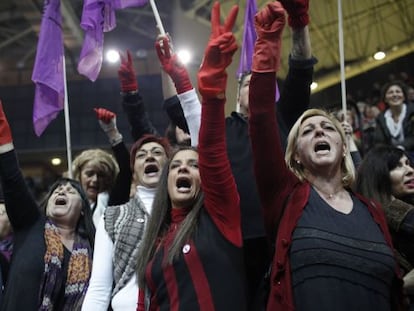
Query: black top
293,101
340,261
27,263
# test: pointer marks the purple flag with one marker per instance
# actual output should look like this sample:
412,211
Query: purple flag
122,4
48,69
249,39
98,17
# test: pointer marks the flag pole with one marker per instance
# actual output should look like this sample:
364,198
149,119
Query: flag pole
341,57
157,17
67,121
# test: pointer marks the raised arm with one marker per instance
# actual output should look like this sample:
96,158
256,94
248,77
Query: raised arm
295,93
120,190
187,95
220,193
273,178
132,102
21,207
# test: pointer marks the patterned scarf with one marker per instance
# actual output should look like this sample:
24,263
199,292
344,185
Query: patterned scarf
125,225
78,271
6,246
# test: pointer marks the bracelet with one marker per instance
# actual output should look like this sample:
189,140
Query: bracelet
129,93
115,140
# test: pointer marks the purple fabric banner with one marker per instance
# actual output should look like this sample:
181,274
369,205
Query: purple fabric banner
249,39
48,68
98,17
122,4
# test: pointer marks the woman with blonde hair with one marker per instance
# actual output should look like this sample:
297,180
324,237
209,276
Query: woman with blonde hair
333,250
96,170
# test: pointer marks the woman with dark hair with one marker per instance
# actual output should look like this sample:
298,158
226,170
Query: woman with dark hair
119,234
191,255
395,126
386,175
52,254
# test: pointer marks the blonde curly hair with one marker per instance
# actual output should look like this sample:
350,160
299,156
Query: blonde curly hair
101,159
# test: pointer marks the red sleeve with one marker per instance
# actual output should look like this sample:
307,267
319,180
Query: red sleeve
273,178
141,300
221,198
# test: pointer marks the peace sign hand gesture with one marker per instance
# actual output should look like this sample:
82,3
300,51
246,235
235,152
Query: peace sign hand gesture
212,76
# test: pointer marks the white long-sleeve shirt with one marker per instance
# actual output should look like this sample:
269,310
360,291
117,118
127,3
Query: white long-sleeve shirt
98,296
192,112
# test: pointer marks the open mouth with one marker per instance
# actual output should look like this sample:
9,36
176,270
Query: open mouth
151,170
409,183
322,147
60,201
183,184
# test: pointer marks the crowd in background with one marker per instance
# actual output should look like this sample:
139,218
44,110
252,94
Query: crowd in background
274,207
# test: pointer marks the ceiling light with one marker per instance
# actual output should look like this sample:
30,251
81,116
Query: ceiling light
56,161
112,56
379,55
184,56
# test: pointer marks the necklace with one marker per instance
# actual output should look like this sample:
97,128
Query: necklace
329,196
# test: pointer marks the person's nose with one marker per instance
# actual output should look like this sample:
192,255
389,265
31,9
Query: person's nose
183,168
319,131
94,178
410,169
149,157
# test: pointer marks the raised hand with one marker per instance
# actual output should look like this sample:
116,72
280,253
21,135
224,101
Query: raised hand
269,24
298,12
107,121
212,76
172,65
126,74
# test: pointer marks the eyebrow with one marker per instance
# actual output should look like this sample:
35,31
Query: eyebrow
192,160
152,149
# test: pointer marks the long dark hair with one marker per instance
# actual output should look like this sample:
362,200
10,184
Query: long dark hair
373,177
85,227
160,221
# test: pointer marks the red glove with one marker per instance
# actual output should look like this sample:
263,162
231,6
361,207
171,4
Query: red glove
172,65
104,115
298,12
126,74
212,76
5,132
107,121
269,24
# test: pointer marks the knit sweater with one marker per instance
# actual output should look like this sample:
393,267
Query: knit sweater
118,238
125,225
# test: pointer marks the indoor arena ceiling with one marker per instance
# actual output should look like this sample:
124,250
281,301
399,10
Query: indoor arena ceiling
368,25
